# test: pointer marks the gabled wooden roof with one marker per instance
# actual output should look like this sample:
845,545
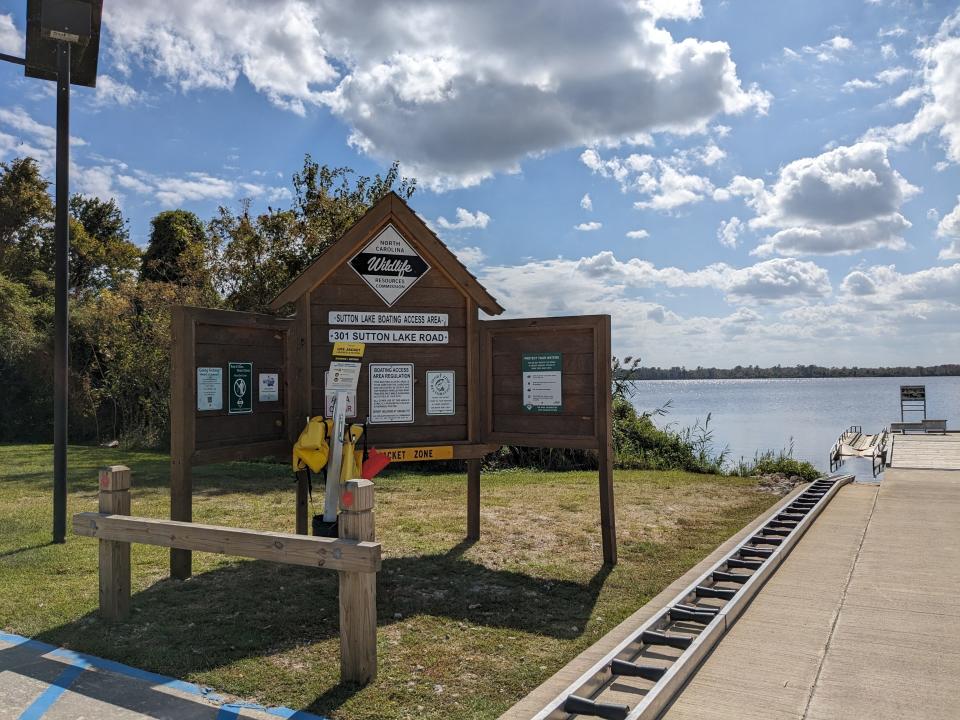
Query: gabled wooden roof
390,208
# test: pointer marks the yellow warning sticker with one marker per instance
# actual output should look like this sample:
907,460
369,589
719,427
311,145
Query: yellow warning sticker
348,350
411,454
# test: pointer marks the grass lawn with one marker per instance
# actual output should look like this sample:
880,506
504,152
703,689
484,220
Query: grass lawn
464,630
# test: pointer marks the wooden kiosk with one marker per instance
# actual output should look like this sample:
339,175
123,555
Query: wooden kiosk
437,382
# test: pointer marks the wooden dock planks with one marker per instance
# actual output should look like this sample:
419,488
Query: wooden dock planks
925,452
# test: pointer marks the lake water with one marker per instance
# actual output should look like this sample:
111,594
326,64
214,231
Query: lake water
755,415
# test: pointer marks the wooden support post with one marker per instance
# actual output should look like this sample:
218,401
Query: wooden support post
183,393
608,519
473,500
608,529
358,590
302,504
115,556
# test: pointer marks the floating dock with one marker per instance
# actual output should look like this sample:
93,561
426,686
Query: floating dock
861,619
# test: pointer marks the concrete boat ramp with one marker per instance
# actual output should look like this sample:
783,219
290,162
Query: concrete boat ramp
861,619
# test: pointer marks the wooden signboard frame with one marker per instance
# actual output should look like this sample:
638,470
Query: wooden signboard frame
428,319
583,344
205,337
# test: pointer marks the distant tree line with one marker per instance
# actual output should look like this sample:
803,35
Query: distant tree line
755,372
120,294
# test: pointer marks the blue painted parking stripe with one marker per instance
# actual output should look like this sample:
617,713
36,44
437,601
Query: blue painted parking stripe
81,661
53,692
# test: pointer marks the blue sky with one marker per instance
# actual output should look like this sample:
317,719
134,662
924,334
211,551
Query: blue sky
735,181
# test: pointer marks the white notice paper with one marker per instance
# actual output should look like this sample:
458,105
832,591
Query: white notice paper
441,392
330,397
209,388
391,393
269,387
346,375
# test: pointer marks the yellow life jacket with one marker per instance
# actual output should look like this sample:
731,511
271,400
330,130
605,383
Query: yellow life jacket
312,449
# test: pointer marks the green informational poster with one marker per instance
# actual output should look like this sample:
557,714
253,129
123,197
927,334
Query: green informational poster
240,382
542,382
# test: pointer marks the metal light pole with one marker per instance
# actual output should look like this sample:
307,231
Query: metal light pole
63,44
61,309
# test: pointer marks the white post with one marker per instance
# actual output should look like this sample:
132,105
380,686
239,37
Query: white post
331,495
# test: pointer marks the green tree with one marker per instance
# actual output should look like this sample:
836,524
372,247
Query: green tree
101,254
26,217
179,251
329,200
259,255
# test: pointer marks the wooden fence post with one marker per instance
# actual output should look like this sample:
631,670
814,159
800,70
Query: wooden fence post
358,590
115,556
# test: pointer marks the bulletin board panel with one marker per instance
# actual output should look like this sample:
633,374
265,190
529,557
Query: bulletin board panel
236,352
207,425
546,381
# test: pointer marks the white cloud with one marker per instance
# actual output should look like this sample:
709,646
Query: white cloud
667,183
843,201
586,202
911,94
895,31
11,39
859,283
588,226
933,214
455,91
729,231
465,220
827,51
940,110
562,286
949,227
111,91
279,47
884,77
470,255
44,135
711,154
638,234
888,51
675,188
892,75
858,84
884,285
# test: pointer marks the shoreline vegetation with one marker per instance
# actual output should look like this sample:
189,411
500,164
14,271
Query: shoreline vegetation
640,444
780,372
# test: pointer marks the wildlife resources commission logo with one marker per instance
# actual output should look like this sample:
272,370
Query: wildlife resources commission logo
389,265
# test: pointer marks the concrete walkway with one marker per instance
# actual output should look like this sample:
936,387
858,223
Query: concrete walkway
861,621
42,681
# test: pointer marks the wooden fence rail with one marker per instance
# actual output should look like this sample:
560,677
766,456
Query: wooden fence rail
354,554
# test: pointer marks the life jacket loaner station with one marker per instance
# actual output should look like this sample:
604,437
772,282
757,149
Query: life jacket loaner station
435,382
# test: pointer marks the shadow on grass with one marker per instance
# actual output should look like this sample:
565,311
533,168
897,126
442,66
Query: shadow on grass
259,609
17,551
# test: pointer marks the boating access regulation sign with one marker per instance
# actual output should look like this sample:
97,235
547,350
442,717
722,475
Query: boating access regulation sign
389,265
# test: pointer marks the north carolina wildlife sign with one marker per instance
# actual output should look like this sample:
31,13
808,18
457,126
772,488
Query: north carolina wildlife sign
389,265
